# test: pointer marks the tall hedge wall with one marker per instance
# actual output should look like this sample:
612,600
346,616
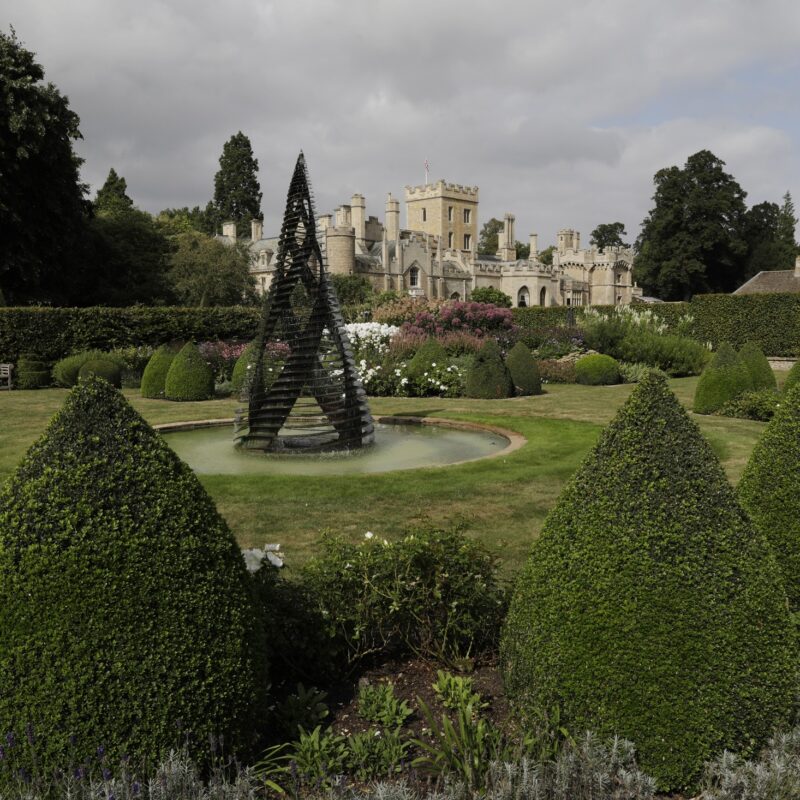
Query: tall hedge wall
53,333
770,320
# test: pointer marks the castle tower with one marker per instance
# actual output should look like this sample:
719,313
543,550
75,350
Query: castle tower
392,218
448,211
567,240
340,249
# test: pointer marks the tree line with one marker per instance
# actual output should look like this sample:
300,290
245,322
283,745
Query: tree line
59,247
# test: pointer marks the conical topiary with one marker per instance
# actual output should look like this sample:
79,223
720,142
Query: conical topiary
650,607
189,376
524,370
154,376
243,365
723,380
488,377
792,378
761,374
126,618
768,490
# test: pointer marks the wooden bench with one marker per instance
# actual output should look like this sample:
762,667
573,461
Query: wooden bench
5,375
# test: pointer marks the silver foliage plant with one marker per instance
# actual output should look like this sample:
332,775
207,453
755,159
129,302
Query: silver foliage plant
775,775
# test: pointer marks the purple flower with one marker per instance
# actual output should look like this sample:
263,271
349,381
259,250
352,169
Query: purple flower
136,788
106,774
10,738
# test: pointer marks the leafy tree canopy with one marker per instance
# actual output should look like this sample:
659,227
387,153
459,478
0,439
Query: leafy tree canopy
173,221
352,289
546,255
488,239
609,234
42,206
237,193
112,197
769,233
523,250
206,272
692,239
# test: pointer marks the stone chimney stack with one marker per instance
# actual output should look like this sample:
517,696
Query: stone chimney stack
229,229
534,241
797,267
256,230
358,216
392,222
507,251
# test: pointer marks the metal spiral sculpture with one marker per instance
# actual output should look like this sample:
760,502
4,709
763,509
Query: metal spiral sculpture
303,391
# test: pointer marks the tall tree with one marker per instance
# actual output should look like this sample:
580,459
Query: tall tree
609,234
692,240
237,193
488,238
112,196
42,205
787,225
206,272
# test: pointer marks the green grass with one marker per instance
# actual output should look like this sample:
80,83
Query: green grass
502,501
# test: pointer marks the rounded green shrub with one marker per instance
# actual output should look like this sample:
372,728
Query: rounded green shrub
154,376
66,370
722,381
31,373
488,378
650,606
102,368
768,489
761,374
126,613
241,368
189,376
431,353
792,378
524,370
597,370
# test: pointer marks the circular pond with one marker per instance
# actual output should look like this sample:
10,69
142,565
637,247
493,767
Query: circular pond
210,450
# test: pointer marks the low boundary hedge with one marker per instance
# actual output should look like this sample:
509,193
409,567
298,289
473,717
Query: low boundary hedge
770,320
52,333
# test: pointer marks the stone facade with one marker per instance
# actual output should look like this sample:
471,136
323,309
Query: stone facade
436,255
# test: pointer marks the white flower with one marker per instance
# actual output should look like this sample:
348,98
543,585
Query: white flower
369,535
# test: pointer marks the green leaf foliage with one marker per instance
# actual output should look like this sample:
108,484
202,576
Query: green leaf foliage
488,377
154,377
32,374
524,370
189,377
761,373
126,613
491,295
65,370
650,607
722,381
241,367
597,370
792,378
431,353
102,368
768,490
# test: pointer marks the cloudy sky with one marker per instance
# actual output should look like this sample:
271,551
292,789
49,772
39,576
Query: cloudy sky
561,112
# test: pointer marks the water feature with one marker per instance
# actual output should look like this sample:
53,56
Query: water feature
211,450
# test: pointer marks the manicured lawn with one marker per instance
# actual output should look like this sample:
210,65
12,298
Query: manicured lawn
502,501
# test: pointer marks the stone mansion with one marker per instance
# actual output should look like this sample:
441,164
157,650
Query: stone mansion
436,255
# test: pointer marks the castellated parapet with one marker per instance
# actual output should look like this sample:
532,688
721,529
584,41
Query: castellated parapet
446,211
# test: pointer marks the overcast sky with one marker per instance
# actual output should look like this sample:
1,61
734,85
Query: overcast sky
561,112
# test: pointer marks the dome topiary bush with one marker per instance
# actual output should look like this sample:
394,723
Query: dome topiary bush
761,374
241,368
597,370
32,373
189,376
154,376
488,378
66,370
126,614
723,380
524,370
102,368
430,355
650,607
768,489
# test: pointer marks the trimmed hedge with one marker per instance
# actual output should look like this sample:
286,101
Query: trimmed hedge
127,618
432,352
650,607
597,370
66,370
102,368
488,377
792,378
768,490
154,377
240,369
524,370
32,374
52,333
761,373
722,381
189,377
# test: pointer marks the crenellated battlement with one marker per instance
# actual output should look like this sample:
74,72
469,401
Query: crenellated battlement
455,191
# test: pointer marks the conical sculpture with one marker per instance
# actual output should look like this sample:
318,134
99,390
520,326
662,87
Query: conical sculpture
303,390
